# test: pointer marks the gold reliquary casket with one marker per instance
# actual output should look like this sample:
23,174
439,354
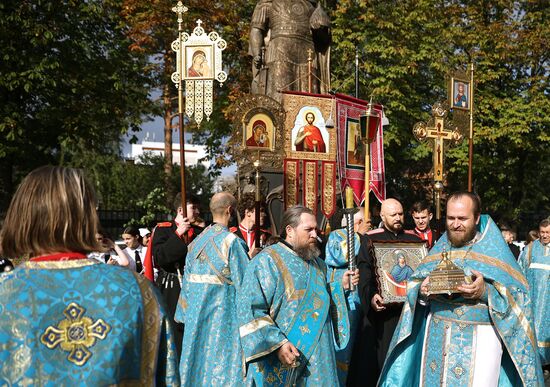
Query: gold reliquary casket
446,277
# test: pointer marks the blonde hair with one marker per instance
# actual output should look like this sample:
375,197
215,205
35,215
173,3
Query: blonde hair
53,210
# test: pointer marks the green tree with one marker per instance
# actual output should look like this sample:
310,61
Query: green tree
407,49
153,27
69,84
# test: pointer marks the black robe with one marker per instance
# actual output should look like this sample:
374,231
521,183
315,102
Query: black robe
169,252
372,343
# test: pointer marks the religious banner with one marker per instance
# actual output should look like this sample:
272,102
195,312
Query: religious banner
351,164
199,63
310,137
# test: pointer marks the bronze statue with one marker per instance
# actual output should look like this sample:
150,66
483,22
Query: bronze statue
283,33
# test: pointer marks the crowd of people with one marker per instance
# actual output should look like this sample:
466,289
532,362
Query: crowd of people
231,304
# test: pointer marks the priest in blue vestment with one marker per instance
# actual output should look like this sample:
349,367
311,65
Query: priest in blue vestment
216,261
290,318
336,259
66,320
535,262
482,336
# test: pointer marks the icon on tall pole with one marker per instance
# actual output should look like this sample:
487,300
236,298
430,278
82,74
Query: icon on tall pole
198,64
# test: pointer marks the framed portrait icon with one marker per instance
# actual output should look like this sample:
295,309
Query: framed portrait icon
460,94
199,62
307,135
395,263
258,130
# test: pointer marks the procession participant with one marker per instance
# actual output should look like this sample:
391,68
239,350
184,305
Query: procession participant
379,319
422,214
482,336
67,319
287,328
216,261
169,249
535,263
134,250
246,230
337,261
509,236
145,236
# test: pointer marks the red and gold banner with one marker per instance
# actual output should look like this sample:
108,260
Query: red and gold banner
328,185
291,184
351,162
309,185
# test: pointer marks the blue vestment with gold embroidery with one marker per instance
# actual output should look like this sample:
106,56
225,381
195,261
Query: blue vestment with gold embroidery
337,261
535,262
286,298
80,322
447,347
211,353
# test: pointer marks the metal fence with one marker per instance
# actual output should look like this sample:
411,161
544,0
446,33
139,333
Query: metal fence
113,222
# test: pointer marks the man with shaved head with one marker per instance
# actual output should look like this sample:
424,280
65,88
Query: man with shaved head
380,319
215,265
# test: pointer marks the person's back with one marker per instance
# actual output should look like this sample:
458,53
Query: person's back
78,321
67,319
215,264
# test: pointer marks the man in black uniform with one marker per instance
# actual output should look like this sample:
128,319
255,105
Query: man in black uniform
380,321
170,240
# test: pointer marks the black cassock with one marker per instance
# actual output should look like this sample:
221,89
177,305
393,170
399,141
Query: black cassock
169,252
377,328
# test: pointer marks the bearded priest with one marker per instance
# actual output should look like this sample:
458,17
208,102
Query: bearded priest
481,336
290,318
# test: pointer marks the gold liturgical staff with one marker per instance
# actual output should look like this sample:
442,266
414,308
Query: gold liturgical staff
436,130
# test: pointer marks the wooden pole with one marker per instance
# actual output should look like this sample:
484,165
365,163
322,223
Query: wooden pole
309,78
471,136
180,117
257,208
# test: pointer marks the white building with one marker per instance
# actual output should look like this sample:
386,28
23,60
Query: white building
193,153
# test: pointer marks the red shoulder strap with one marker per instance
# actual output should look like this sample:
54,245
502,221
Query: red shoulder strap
164,224
148,260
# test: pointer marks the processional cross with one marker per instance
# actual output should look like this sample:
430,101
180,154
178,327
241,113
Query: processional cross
435,129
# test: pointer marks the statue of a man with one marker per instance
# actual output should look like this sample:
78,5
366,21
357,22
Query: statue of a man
283,33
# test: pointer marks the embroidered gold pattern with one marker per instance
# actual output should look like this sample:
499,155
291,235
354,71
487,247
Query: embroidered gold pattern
75,334
290,181
433,365
458,371
304,329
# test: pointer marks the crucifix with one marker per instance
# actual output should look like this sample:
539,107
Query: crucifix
435,129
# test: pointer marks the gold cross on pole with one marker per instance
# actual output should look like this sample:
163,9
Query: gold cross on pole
180,9
439,134
436,130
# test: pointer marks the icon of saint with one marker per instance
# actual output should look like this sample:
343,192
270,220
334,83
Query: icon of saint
259,137
309,137
460,99
199,65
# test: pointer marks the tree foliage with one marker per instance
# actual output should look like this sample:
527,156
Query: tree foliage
75,75
69,84
407,50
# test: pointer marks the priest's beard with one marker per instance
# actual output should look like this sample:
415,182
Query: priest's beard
459,238
307,251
